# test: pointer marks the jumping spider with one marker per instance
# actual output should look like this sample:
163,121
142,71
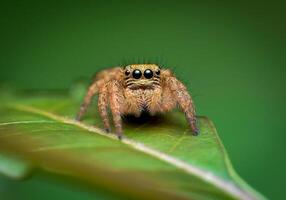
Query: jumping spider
137,88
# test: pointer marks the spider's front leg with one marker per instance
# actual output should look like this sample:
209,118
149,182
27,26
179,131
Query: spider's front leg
183,98
116,100
102,107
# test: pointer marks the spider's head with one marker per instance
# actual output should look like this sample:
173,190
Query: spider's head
142,76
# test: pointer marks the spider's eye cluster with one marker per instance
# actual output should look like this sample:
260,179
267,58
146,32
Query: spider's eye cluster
137,74
148,73
158,72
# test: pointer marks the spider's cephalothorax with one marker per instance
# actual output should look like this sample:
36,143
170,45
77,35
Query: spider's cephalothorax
136,88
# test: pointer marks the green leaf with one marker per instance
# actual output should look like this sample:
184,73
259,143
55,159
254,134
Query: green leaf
159,159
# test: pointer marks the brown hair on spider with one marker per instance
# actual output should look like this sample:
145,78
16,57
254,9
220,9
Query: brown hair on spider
136,88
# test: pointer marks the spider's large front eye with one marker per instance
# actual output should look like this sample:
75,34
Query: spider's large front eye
148,73
137,74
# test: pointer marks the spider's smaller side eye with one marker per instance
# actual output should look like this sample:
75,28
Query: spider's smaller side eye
158,72
127,72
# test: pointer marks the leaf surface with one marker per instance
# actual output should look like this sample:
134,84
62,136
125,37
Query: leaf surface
159,159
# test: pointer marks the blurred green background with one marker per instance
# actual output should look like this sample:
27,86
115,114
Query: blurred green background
231,55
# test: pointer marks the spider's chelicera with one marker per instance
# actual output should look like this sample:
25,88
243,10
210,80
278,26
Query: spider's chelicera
137,88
